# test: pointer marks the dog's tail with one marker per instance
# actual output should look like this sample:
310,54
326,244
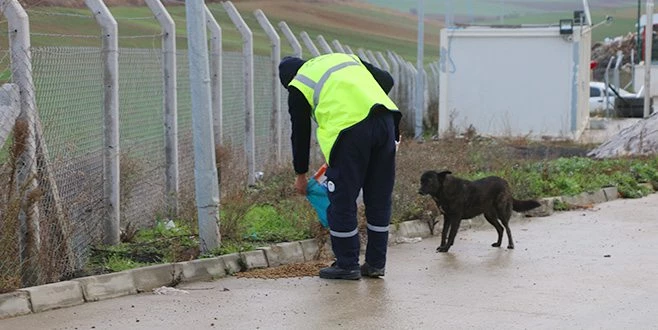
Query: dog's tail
526,205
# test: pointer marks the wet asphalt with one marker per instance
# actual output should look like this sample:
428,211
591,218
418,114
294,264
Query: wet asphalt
586,269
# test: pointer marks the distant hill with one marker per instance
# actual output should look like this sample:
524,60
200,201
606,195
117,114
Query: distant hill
496,8
524,12
357,24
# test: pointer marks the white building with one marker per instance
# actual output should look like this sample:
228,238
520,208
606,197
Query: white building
515,81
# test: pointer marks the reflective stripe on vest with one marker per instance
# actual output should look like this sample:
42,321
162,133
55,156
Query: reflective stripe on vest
317,87
340,92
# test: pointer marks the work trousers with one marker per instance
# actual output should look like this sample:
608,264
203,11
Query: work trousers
363,157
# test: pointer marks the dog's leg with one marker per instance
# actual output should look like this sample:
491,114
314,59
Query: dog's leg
510,241
499,229
454,227
444,234
504,218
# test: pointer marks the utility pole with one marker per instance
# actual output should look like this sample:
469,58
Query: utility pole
638,36
420,88
648,48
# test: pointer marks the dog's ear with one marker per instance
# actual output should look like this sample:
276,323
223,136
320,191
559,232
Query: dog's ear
442,175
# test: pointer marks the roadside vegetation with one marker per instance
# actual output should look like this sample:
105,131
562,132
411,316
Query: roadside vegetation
271,212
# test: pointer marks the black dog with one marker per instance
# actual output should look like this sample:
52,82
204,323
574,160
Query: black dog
461,199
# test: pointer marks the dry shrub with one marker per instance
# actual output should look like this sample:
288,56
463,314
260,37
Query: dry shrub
10,265
10,208
131,171
231,163
234,207
45,254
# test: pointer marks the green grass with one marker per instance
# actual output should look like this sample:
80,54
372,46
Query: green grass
158,244
276,223
624,21
272,213
572,176
63,30
117,263
490,7
459,7
547,12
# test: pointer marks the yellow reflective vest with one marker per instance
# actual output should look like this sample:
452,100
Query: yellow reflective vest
341,92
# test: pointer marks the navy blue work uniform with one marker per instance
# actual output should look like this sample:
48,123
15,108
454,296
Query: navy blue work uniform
363,157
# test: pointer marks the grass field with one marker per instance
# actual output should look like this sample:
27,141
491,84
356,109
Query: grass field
497,7
526,12
624,21
355,24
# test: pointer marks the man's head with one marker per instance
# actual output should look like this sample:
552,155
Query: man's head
288,69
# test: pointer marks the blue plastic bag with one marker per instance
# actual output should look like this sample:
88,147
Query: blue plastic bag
318,196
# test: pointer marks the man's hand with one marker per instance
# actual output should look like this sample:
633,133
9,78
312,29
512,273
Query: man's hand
300,184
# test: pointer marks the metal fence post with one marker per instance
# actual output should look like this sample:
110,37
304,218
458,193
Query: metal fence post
399,87
215,76
309,44
362,54
315,152
648,62
170,103
395,72
9,110
292,40
248,63
404,85
276,85
339,48
26,177
420,79
205,170
615,74
324,45
413,84
382,61
110,54
373,59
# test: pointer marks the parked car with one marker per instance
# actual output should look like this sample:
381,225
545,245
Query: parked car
598,95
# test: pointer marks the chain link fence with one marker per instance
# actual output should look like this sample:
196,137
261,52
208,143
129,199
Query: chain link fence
52,158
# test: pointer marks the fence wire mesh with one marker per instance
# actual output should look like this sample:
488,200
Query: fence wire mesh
51,167
69,97
37,242
185,141
142,163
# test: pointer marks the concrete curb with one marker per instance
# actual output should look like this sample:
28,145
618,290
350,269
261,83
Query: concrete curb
283,253
310,249
100,287
14,304
254,259
611,193
106,286
232,262
55,295
203,269
586,198
151,277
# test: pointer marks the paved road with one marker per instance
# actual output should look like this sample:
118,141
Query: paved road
574,270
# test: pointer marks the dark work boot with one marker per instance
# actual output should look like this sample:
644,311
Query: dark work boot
336,273
367,270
